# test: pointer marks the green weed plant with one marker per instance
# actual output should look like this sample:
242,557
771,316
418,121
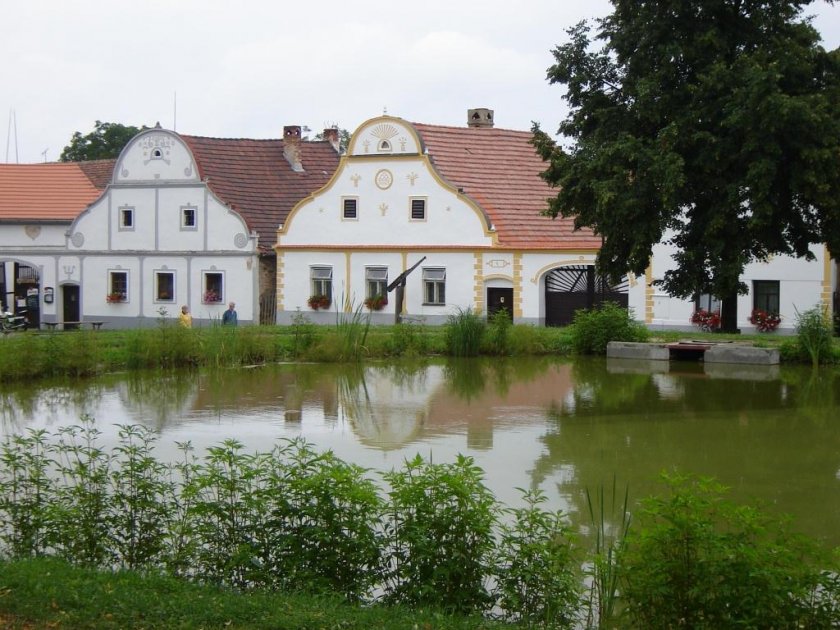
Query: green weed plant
593,329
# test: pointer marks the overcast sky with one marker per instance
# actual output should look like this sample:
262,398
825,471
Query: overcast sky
246,68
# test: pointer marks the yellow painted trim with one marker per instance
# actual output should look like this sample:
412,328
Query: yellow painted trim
478,283
649,295
517,284
499,276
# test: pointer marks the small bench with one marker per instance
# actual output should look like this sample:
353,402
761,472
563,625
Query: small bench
94,325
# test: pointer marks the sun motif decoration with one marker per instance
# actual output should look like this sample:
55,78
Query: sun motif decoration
383,179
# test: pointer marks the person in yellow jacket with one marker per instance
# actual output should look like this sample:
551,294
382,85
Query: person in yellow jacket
185,318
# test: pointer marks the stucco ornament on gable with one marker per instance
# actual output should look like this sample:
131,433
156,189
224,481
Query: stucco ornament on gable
32,231
156,155
386,135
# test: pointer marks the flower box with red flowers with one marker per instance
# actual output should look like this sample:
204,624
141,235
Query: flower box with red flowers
707,321
376,302
318,302
764,321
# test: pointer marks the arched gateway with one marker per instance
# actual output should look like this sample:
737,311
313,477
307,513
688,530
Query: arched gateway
568,289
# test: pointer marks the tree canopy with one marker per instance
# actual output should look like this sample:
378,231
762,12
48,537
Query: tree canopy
712,125
105,141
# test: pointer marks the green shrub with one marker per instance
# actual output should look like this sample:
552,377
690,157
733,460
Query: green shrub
439,529
696,560
537,583
464,331
593,329
813,334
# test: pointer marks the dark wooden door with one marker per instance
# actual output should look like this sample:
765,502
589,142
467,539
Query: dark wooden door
497,299
71,311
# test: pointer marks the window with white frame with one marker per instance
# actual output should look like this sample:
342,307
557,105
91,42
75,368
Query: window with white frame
164,286
117,286
418,209
321,279
376,281
350,208
189,217
213,284
126,218
434,285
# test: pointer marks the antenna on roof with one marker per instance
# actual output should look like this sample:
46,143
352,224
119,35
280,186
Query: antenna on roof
12,117
175,112
44,153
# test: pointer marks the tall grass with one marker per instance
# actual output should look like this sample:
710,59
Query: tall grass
813,334
610,523
464,331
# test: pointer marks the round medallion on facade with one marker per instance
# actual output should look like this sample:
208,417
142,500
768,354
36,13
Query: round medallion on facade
384,178
78,239
240,240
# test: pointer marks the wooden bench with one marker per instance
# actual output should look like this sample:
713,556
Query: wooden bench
94,325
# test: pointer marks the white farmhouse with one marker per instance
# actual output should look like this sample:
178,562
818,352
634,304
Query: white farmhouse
464,201
175,220
465,204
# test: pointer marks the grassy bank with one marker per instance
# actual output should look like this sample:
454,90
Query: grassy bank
33,355
51,593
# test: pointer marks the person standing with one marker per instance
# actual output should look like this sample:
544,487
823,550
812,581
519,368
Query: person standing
229,318
185,319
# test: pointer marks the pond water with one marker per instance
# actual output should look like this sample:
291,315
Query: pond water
772,434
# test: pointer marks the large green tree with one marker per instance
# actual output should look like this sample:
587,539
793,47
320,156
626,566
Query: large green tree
713,125
105,141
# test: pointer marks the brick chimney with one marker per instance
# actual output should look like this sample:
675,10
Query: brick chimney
480,117
331,135
291,147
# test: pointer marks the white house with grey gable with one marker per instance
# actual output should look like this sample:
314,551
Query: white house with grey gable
156,239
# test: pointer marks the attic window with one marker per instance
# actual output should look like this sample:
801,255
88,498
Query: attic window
384,146
189,217
157,154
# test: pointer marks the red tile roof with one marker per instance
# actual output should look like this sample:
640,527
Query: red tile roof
52,191
99,172
258,182
499,169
